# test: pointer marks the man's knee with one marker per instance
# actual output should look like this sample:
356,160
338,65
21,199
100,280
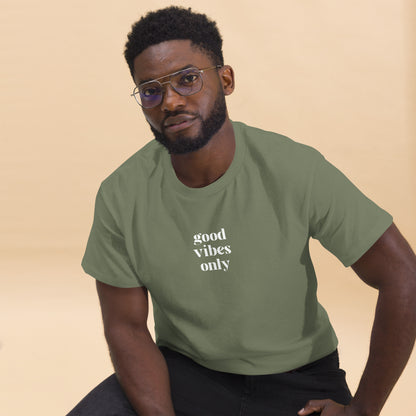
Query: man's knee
107,399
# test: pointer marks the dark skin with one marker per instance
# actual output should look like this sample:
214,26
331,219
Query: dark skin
389,265
206,165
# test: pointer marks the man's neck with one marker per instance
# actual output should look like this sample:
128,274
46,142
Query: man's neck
206,165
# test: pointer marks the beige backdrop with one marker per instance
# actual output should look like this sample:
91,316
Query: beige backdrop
337,75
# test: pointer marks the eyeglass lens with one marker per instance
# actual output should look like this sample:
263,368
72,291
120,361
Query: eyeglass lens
186,82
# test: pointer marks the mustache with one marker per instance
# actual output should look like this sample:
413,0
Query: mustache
178,113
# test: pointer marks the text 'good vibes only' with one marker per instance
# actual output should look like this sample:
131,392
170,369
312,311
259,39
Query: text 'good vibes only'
205,250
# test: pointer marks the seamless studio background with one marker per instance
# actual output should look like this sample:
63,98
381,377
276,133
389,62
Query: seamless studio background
339,76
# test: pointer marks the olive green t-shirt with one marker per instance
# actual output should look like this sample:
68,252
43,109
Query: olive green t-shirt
228,265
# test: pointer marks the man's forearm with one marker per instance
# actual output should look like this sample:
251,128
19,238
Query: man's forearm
142,371
392,340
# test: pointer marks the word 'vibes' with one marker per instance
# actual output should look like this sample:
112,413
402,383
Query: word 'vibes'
203,251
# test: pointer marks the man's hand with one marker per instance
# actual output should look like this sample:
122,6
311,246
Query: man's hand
327,408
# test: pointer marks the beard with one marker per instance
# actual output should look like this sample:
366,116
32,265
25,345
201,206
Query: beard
183,144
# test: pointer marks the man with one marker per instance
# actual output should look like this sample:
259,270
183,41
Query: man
213,219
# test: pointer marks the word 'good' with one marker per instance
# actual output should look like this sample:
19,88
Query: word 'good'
204,238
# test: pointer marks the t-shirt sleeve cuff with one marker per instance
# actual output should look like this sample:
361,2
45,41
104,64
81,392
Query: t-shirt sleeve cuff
366,243
109,280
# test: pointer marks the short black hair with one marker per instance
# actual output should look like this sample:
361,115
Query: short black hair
173,23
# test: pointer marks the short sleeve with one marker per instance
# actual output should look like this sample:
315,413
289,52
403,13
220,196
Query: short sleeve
106,257
341,217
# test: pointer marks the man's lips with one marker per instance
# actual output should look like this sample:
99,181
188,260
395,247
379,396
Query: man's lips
179,122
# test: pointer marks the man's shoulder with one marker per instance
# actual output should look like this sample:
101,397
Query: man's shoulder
276,147
137,167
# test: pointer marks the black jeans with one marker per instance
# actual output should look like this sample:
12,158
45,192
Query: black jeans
199,391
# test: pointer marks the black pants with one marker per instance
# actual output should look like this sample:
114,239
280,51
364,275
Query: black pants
199,391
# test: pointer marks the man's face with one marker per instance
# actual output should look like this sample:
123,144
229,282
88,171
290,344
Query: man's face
182,124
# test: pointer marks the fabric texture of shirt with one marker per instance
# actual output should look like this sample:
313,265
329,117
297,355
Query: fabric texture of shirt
228,265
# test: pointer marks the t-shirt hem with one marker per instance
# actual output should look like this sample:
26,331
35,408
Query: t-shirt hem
264,366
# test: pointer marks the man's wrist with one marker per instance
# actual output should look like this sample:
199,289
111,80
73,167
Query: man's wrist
362,409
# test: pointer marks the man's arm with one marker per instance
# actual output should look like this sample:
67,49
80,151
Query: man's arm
139,365
389,266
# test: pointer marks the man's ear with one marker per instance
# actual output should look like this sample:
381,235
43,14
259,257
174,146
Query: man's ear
227,79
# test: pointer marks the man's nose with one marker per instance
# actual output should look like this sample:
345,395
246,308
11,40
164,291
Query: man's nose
171,99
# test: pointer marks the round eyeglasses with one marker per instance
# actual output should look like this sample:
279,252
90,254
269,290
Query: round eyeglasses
185,82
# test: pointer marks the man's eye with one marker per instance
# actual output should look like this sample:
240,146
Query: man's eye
150,91
188,79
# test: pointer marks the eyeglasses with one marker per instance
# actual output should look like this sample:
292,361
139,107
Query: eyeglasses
185,82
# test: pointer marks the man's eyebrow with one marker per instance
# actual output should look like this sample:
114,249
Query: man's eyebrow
164,76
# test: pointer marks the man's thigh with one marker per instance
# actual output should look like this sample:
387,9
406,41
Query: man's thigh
285,394
196,391
199,391
107,399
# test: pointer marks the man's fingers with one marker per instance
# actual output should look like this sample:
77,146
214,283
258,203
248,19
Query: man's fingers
314,406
